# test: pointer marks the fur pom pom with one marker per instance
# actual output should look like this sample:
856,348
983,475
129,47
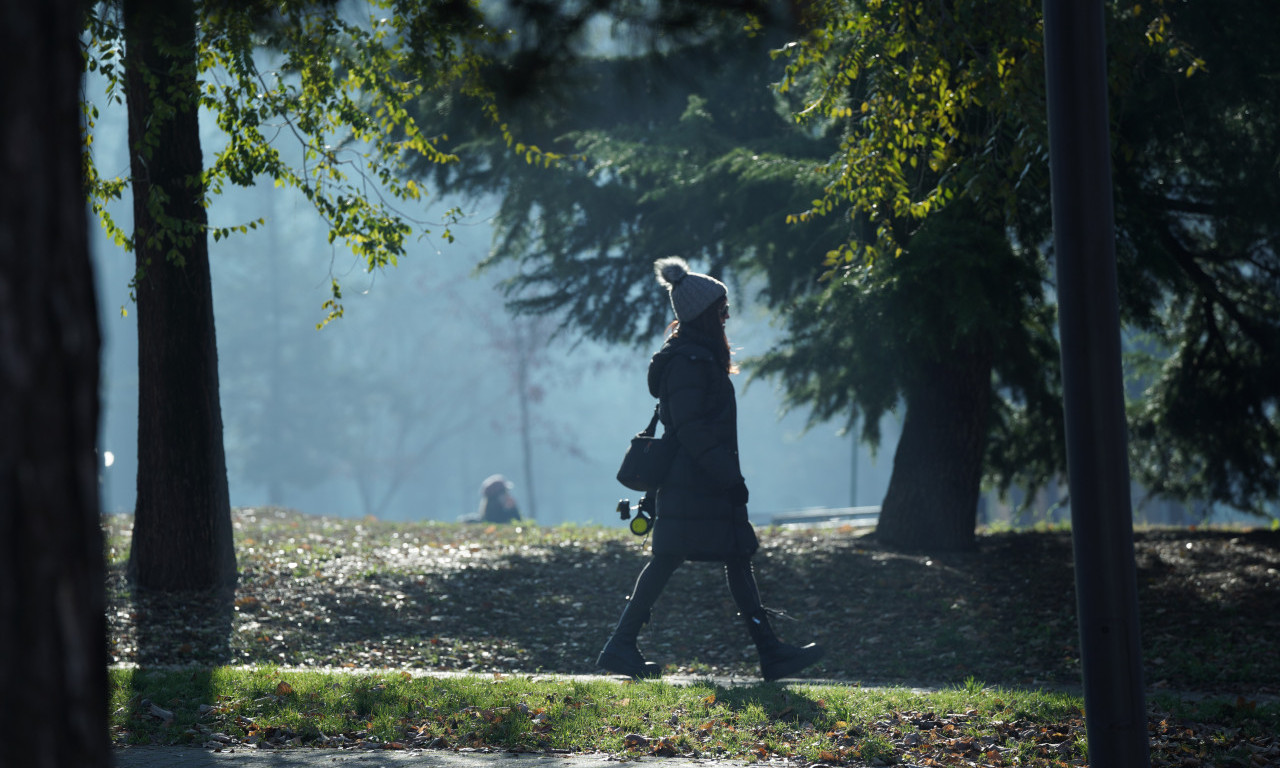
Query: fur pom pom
670,270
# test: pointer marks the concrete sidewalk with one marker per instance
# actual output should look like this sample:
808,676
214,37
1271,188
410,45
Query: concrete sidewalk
311,757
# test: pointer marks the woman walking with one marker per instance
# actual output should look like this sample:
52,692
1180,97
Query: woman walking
702,507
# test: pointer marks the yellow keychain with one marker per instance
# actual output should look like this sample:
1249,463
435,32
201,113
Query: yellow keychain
642,523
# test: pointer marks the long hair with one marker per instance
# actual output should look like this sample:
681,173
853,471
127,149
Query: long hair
707,329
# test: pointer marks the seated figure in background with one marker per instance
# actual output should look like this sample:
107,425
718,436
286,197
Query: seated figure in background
497,505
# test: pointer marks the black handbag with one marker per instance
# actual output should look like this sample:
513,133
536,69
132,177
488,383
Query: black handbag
648,459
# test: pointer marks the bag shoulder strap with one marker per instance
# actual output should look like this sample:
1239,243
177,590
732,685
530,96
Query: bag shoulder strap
650,430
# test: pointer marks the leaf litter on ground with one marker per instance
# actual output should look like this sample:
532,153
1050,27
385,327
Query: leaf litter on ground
422,597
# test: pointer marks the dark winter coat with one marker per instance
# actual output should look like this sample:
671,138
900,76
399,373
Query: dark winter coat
695,517
499,508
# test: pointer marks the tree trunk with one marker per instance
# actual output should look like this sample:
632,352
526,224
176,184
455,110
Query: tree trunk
932,501
182,523
524,395
53,683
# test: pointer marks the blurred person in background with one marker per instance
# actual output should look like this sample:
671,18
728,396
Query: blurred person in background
497,505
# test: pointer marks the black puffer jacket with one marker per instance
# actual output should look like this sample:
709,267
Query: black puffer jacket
695,517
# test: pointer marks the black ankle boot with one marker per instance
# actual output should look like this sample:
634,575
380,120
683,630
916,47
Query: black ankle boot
778,659
620,655
623,658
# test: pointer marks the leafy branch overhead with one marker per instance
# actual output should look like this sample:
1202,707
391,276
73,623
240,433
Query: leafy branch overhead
939,101
313,97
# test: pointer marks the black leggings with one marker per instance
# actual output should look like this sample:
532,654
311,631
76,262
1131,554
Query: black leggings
657,572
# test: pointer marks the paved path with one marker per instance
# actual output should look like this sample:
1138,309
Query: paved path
304,757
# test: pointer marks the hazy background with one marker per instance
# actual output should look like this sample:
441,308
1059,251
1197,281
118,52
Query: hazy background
402,407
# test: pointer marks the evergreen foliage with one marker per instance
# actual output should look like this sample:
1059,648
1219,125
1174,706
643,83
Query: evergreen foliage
902,113
1197,190
716,170
1193,91
681,152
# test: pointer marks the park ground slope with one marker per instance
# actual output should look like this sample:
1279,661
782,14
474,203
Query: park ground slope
364,593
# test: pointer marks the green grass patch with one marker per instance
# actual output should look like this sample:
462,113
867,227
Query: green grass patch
269,707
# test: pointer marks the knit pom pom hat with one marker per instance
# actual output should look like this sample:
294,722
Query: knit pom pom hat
691,292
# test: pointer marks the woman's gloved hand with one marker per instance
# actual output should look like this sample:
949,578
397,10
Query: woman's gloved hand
738,494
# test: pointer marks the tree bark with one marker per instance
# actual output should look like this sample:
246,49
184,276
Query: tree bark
524,394
932,500
53,684
182,536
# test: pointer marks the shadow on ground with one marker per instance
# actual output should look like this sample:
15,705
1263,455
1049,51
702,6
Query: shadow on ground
1001,615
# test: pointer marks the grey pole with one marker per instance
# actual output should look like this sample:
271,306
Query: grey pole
1089,328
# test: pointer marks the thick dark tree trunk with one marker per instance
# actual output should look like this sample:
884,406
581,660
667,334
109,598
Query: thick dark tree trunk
932,501
182,524
53,683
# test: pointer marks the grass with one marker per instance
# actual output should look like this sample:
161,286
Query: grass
970,724
524,713
992,632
